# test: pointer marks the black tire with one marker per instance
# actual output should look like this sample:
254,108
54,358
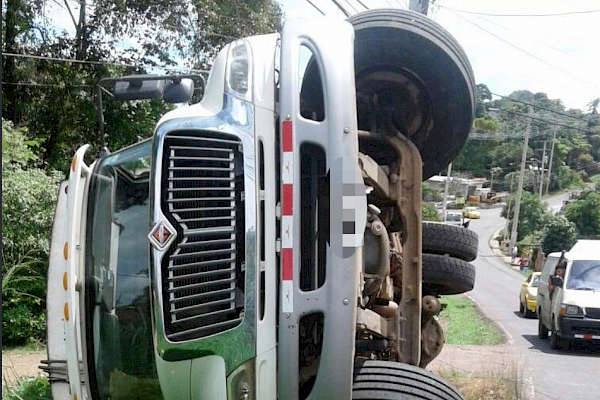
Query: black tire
446,275
386,380
521,308
555,341
542,330
437,111
453,240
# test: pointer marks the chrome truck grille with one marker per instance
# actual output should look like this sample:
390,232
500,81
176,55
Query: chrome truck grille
203,197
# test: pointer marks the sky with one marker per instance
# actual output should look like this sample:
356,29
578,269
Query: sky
558,55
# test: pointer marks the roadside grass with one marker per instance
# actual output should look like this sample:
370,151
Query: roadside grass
465,324
37,388
595,178
505,385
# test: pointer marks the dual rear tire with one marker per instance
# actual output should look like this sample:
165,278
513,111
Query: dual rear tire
447,252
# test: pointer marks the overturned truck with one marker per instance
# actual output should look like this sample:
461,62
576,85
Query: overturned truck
267,242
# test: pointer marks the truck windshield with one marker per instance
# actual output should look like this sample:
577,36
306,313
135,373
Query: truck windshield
584,275
117,277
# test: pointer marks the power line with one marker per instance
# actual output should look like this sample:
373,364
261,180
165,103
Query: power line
521,50
548,122
522,15
540,107
114,64
315,7
362,4
535,39
46,85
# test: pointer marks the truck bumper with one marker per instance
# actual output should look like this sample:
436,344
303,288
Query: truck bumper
580,328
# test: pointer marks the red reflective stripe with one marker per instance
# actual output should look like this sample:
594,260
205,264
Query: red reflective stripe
587,336
286,135
287,199
287,264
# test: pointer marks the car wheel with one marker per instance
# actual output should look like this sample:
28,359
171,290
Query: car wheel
455,241
379,380
521,308
542,330
444,275
555,341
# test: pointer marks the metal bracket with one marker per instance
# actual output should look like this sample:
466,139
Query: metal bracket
406,191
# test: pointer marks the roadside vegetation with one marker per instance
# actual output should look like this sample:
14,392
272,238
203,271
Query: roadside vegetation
465,324
37,388
503,385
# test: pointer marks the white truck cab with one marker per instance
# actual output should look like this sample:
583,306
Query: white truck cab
266,242
569,308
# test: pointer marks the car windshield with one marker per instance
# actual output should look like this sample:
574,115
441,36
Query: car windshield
535,281
453,217
584,275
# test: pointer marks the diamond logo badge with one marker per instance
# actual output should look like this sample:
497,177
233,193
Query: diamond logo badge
161,235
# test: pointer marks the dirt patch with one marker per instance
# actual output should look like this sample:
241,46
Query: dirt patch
19,363
473,359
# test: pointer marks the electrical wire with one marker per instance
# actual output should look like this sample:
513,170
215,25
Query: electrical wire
46,85
535,39
522,15
315,7
114,64
540,107
522,50
547,121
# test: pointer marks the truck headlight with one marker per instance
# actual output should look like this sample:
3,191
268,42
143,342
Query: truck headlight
570,310
238,76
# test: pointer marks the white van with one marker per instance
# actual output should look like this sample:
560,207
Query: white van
572,309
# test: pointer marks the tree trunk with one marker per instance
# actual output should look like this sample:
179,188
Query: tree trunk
9,108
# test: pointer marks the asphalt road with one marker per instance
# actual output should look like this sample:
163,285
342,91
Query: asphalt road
572,374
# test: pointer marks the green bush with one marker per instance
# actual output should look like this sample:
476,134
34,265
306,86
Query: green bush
28,202
585,214
560,234
28,389
429,213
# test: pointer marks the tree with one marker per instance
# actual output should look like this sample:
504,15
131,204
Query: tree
429,213
533,215
560,234
28,199
585,214
430,194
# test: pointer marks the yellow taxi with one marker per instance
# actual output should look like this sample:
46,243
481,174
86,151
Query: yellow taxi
471,213
528,295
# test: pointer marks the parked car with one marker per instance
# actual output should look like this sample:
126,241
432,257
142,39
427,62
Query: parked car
569,306
528,295
454,218
471,212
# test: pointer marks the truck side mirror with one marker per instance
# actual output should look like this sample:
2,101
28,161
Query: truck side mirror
179,91
556,281
136,89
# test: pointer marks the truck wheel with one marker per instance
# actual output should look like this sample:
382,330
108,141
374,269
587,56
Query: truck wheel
455,241
445,275
555,341
432,104
383,380
542,330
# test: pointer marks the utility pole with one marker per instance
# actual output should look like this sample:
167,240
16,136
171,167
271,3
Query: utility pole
513,233
420,6
512,180
542,173
554,129
446,191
